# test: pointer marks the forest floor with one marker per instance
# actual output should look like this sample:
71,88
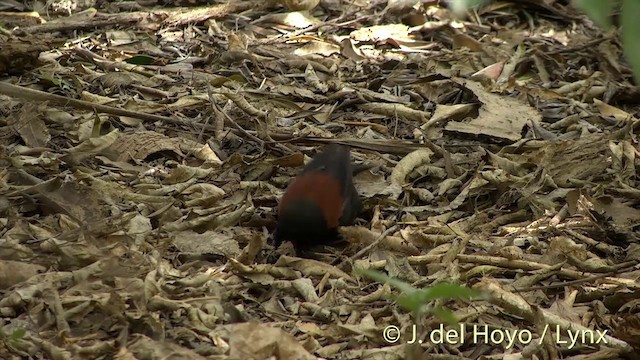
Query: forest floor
144,146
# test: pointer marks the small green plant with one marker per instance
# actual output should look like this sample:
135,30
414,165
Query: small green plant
418,301
13,340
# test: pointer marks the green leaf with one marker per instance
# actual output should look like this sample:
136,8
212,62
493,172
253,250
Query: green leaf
18,334
445,315
416,300
411,303
598,10
630,33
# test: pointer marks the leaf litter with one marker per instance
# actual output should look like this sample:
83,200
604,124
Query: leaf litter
144,150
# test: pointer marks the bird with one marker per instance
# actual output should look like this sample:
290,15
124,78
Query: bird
319,200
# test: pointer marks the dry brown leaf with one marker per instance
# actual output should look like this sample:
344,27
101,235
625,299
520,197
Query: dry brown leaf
311,267
317,48
499,117
381,33
608,110
621,213
31,126
210,242
407,164
14,272
139,145
254,341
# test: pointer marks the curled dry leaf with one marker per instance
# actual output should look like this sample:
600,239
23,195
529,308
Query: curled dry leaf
407,164
139,145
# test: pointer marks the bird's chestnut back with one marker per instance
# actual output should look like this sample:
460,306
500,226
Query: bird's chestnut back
321,190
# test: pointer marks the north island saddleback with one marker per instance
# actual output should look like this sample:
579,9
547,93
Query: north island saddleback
319,200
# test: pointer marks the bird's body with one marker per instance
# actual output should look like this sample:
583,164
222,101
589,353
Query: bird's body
319,200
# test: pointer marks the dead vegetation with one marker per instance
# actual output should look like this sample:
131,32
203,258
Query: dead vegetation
144,147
